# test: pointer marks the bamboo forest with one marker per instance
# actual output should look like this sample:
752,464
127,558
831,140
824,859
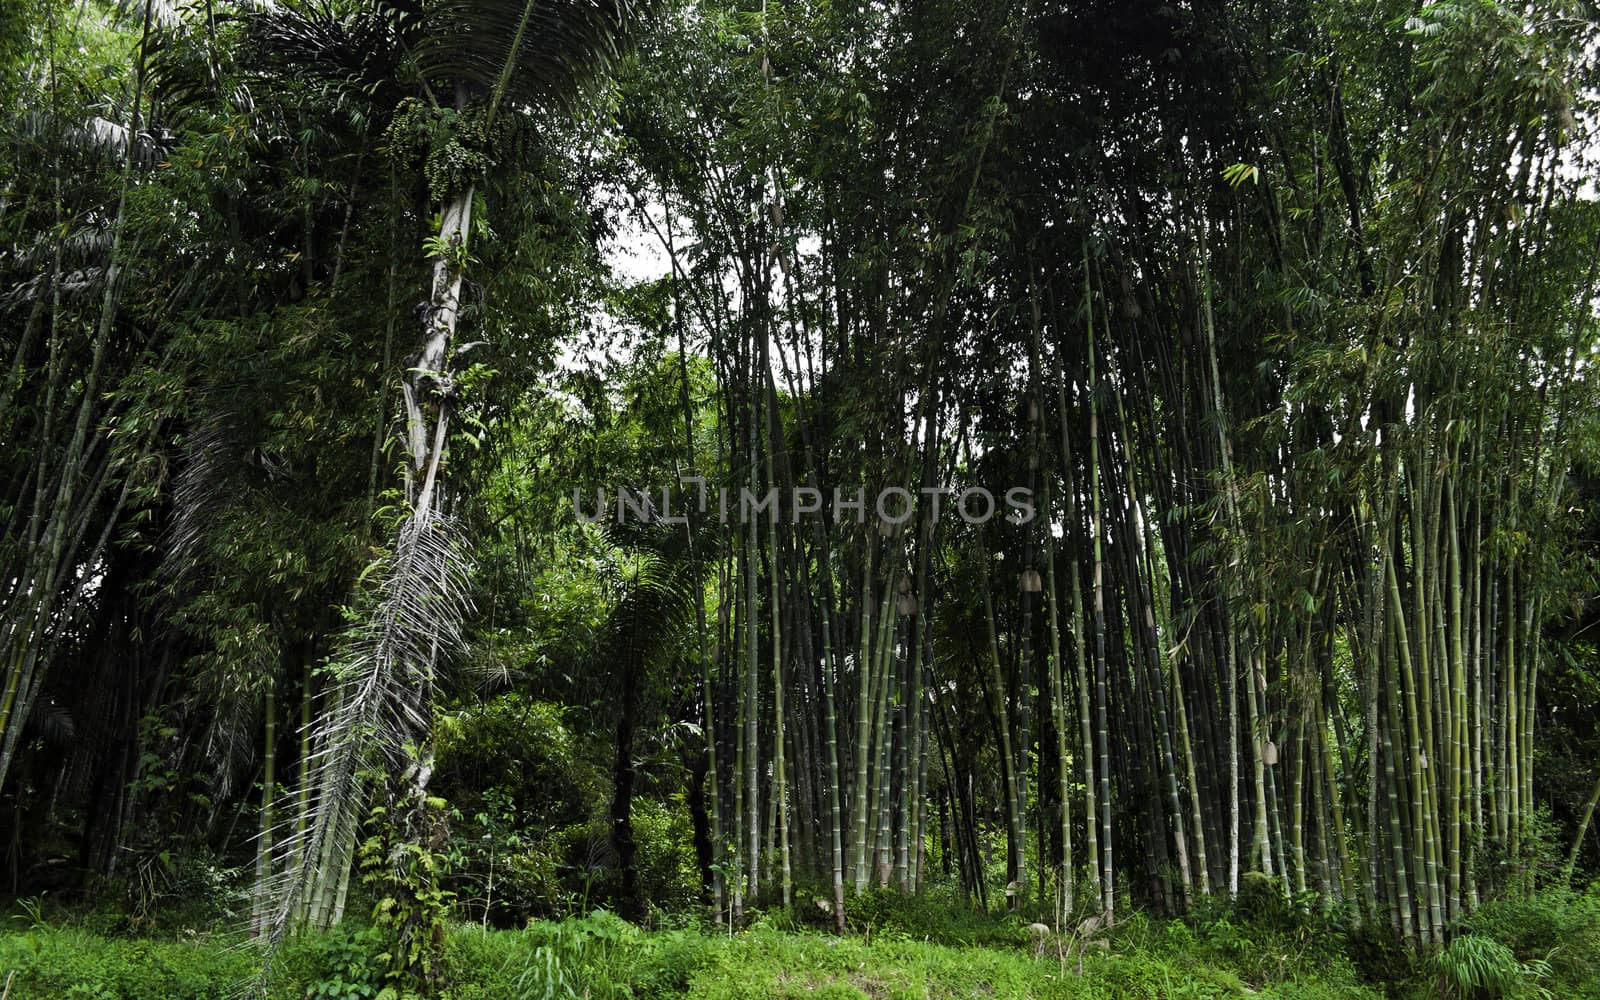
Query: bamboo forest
512,499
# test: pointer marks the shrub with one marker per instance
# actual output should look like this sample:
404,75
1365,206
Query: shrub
346,964
1475,966
1558,926
1267,935
511,766
669,873
943,917
1379,955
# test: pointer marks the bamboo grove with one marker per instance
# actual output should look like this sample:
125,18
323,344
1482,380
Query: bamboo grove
1280,315
1299,420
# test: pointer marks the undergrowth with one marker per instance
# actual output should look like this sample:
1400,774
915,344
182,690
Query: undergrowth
935,946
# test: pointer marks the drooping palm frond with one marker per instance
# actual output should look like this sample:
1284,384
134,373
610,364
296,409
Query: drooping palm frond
217,479
535,52
202,485
229,740
529,52
83,252
51,722
352,49
162,13
651,618
109,139
379,704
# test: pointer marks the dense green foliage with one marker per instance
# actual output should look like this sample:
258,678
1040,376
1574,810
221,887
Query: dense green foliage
362,362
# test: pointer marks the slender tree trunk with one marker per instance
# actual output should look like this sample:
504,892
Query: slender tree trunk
269,772
1102,734
1585,815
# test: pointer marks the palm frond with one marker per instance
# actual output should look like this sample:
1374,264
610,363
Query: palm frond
98,140
353,50
530,52
653,613
202,485
535,52
229,744
163,13
51,722
653,617
381,696
83,251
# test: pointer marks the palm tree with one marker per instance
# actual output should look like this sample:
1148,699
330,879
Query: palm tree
652,621
461,69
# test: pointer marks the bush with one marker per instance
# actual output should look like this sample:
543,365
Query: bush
1266,935
941,916
597,956
669,873
1559,927
1475,966
1379,955
510,766
345,963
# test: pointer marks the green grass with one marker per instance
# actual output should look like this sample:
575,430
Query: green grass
599,958
66,963
602,957
925,948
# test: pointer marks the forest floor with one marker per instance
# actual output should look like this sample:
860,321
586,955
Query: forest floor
910,953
